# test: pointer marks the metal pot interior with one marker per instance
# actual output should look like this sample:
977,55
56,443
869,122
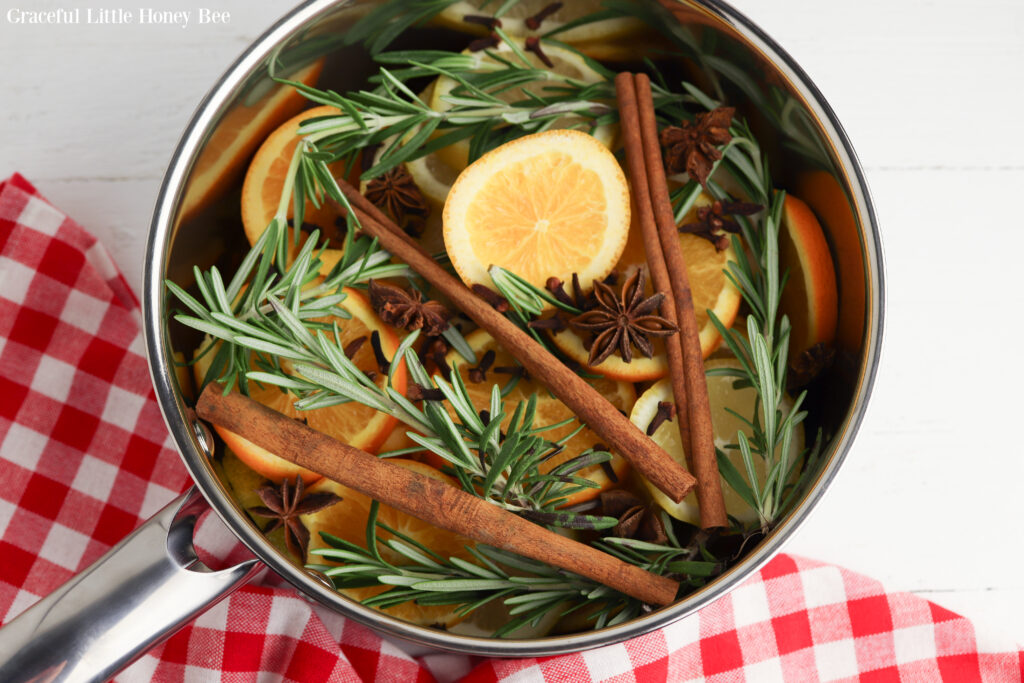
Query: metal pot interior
193,225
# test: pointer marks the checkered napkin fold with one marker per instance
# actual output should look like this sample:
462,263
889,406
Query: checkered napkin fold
85,458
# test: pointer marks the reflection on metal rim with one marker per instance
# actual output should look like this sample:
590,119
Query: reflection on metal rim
155,312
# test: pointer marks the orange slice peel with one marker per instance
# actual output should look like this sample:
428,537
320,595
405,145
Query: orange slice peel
352,423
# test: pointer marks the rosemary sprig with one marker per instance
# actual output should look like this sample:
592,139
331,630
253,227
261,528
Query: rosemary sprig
241,311
692,563
763,353
529,589
394,116
497,455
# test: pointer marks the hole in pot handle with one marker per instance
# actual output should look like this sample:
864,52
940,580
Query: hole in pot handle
144,589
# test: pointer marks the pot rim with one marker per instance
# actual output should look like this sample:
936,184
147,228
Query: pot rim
189,444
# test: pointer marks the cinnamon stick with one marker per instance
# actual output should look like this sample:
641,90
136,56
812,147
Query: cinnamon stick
595,410
422,497
704,462
629,124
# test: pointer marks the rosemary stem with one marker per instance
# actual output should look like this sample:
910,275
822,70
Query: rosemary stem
343,123
289,182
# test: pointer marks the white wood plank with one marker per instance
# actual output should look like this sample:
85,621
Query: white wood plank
95,111
916,83
110,101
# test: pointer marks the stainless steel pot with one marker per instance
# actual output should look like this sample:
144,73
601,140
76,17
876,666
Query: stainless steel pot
152,583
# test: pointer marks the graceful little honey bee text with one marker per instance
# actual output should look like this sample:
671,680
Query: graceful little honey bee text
117,16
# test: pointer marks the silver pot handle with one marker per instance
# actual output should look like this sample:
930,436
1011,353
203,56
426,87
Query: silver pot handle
144,589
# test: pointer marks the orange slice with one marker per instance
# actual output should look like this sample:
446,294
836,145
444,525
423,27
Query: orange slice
549,411
237,136
827,197
348,520
548,204
711,289
723,399
810,297
351,423
265,180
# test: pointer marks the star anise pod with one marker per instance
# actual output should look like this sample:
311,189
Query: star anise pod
713,220
400,308
693,147
397,193
283,504
624,320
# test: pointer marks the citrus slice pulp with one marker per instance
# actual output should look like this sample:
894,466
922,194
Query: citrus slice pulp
810,297
548,204
839,215
722,397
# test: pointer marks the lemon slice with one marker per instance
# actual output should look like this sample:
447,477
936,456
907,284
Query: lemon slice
548,204
723,397
434,177
566,63
513,22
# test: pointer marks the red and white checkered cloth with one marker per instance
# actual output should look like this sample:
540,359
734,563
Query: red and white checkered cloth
78,422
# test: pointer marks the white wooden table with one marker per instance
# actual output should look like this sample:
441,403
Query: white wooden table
928,90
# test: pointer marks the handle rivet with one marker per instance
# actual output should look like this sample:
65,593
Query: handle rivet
204,437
